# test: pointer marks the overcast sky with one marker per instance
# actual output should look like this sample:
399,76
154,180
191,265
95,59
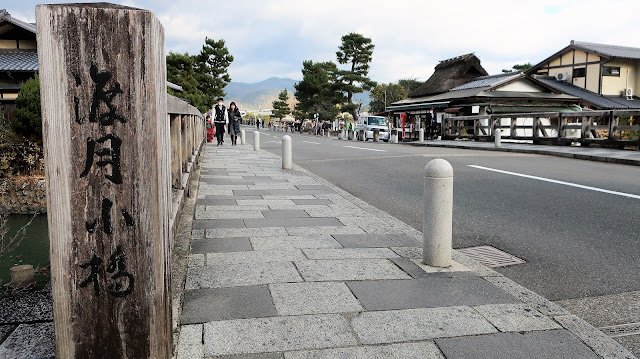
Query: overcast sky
272,37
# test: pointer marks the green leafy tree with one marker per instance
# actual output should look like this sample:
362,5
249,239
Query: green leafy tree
519,67
181,72
319,90
384,94
211,70
356,52
280,106
28,119
409,84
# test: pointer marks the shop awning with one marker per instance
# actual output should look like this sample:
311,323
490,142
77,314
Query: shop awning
417,106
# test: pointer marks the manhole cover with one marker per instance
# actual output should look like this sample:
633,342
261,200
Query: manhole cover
621,330
491,257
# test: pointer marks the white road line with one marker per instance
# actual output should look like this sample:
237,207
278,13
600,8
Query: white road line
313,143
273,141
363,148
559,182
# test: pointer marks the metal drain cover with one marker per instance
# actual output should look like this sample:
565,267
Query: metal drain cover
621,330
490,256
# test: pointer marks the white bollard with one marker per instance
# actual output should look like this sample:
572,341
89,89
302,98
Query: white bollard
421,135
287,155
242,137
438,213
498,138
256,141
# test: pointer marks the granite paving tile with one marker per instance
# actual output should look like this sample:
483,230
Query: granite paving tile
220,245
216,202
516,317
245,232
352,269
236,275
312,202
271,255
29,341
264,335
206,305
546,344
364,240
419,350
308,231
419,324
291,222
349,253
190,342
26,307
311,186
285,213
313,298
217,223
317,241
427,293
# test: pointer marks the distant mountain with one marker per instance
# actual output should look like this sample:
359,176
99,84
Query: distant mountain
259,94
251,96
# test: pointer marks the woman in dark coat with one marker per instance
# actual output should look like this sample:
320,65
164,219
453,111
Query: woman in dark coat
234,122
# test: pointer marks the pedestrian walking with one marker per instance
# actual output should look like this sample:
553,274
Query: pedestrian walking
210,130
431,124
220,119
234,122
257,123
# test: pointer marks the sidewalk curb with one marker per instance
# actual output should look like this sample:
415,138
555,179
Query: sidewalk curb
587,157
601,344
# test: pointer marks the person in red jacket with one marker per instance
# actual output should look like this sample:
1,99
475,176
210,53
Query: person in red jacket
211,132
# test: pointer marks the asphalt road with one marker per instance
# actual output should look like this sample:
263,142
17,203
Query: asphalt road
581,245
577,242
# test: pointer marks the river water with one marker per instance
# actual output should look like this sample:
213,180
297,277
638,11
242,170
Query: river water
34,248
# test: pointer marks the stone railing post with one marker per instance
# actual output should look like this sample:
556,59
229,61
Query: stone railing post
438,213
287,155
242,137
107,148
256,141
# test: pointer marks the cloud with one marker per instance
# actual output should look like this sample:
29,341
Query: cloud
272,37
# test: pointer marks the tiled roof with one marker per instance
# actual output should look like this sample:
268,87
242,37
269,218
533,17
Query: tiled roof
487,81
624,52
5,16
18,60
592,98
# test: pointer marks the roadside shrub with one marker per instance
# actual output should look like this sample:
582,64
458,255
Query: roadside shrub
28,118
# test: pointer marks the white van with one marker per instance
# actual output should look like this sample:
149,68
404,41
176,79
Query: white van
369,123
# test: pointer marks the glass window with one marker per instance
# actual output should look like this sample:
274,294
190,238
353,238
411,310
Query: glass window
580,72
611,71
377,121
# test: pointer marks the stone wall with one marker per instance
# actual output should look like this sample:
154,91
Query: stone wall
23,195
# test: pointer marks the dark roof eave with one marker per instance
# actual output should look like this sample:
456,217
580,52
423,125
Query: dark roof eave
419,105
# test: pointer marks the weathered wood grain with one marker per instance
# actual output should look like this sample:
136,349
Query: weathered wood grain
123,311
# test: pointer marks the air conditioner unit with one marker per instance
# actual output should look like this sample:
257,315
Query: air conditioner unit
562,76
629,93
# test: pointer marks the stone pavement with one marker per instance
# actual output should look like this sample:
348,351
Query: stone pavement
625,157
285,265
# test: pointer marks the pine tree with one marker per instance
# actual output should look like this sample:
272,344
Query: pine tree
211,70
319,91
355,51
280,106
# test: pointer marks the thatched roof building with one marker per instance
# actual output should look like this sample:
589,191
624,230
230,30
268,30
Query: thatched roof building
449,74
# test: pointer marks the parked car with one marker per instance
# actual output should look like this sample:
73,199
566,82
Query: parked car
370,123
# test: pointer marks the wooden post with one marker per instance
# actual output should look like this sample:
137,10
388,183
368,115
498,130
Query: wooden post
106,140
185,142
176,152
